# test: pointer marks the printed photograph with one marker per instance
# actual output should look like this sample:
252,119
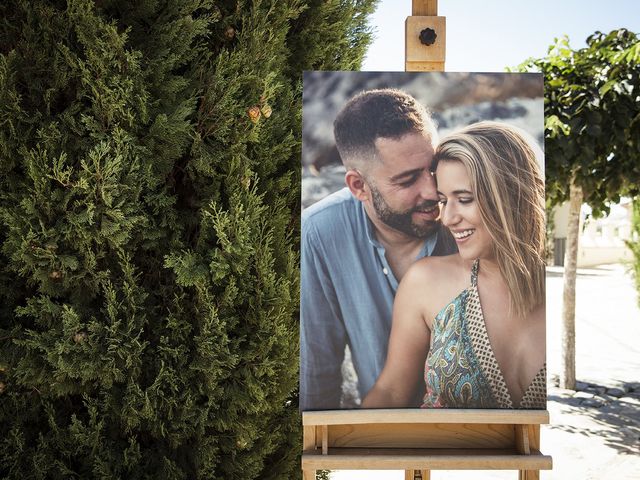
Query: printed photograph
423,241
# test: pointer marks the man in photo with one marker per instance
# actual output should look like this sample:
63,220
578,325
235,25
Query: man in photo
358,242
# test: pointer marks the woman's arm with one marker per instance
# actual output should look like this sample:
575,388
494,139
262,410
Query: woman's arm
408,346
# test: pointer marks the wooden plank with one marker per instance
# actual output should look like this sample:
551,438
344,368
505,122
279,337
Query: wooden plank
437,435
522,439
408,475
425,459
420,415
325,439
424,8
426,474
308,475
416,51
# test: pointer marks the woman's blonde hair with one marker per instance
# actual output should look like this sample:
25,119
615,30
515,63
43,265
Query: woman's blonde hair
508,184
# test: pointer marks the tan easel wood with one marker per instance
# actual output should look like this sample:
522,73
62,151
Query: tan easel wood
419,57
309,444
418,441
411,474
531,441
510,431
424,8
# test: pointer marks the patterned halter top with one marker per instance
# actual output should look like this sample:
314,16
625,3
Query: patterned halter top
461,370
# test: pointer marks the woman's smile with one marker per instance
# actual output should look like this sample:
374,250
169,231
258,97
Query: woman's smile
462,235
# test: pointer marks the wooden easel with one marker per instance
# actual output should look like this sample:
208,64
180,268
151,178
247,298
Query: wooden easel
419,440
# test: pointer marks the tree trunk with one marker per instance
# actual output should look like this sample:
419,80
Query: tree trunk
568,373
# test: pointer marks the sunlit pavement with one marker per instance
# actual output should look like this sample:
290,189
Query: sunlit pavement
594,432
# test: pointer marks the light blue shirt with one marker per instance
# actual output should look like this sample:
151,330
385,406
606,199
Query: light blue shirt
347,290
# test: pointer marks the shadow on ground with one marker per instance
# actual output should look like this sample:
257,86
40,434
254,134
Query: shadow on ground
615,420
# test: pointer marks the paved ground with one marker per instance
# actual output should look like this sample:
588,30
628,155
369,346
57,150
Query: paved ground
594,432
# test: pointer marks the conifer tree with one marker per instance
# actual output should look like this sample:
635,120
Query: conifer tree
149,219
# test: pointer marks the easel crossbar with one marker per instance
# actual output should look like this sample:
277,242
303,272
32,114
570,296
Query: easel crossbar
417,415
425,459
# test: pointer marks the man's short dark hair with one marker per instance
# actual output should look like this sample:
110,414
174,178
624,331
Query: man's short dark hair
373,114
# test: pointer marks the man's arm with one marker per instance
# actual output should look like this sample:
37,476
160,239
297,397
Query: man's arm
322,334
408,348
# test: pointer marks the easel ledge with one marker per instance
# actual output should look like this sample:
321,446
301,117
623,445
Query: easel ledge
419,440
423,415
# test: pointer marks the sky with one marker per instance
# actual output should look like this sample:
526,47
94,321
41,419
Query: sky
489,35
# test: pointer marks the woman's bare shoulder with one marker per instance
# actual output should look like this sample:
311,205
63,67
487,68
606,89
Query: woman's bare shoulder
435,281
434,268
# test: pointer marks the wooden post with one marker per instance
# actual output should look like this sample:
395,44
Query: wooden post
420,57
522,439
424,8
532,435
411,474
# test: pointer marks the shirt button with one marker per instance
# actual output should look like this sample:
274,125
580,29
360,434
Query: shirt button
385,271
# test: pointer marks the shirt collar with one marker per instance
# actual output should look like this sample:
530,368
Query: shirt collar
369,228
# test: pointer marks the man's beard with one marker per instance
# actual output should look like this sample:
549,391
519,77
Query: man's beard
402,221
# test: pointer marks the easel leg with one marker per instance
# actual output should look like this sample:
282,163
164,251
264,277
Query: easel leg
529,475
527,437
413,474
308,475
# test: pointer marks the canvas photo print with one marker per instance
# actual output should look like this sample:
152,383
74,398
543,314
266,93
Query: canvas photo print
423,238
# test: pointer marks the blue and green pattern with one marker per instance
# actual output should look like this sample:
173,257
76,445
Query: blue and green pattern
461,370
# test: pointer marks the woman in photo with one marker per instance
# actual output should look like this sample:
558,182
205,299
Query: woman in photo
481,323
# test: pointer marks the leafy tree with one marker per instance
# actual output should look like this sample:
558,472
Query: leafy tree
149,209
592,126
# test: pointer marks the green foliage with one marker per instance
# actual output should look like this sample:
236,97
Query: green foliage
634,243
332,47
592,117
148,232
